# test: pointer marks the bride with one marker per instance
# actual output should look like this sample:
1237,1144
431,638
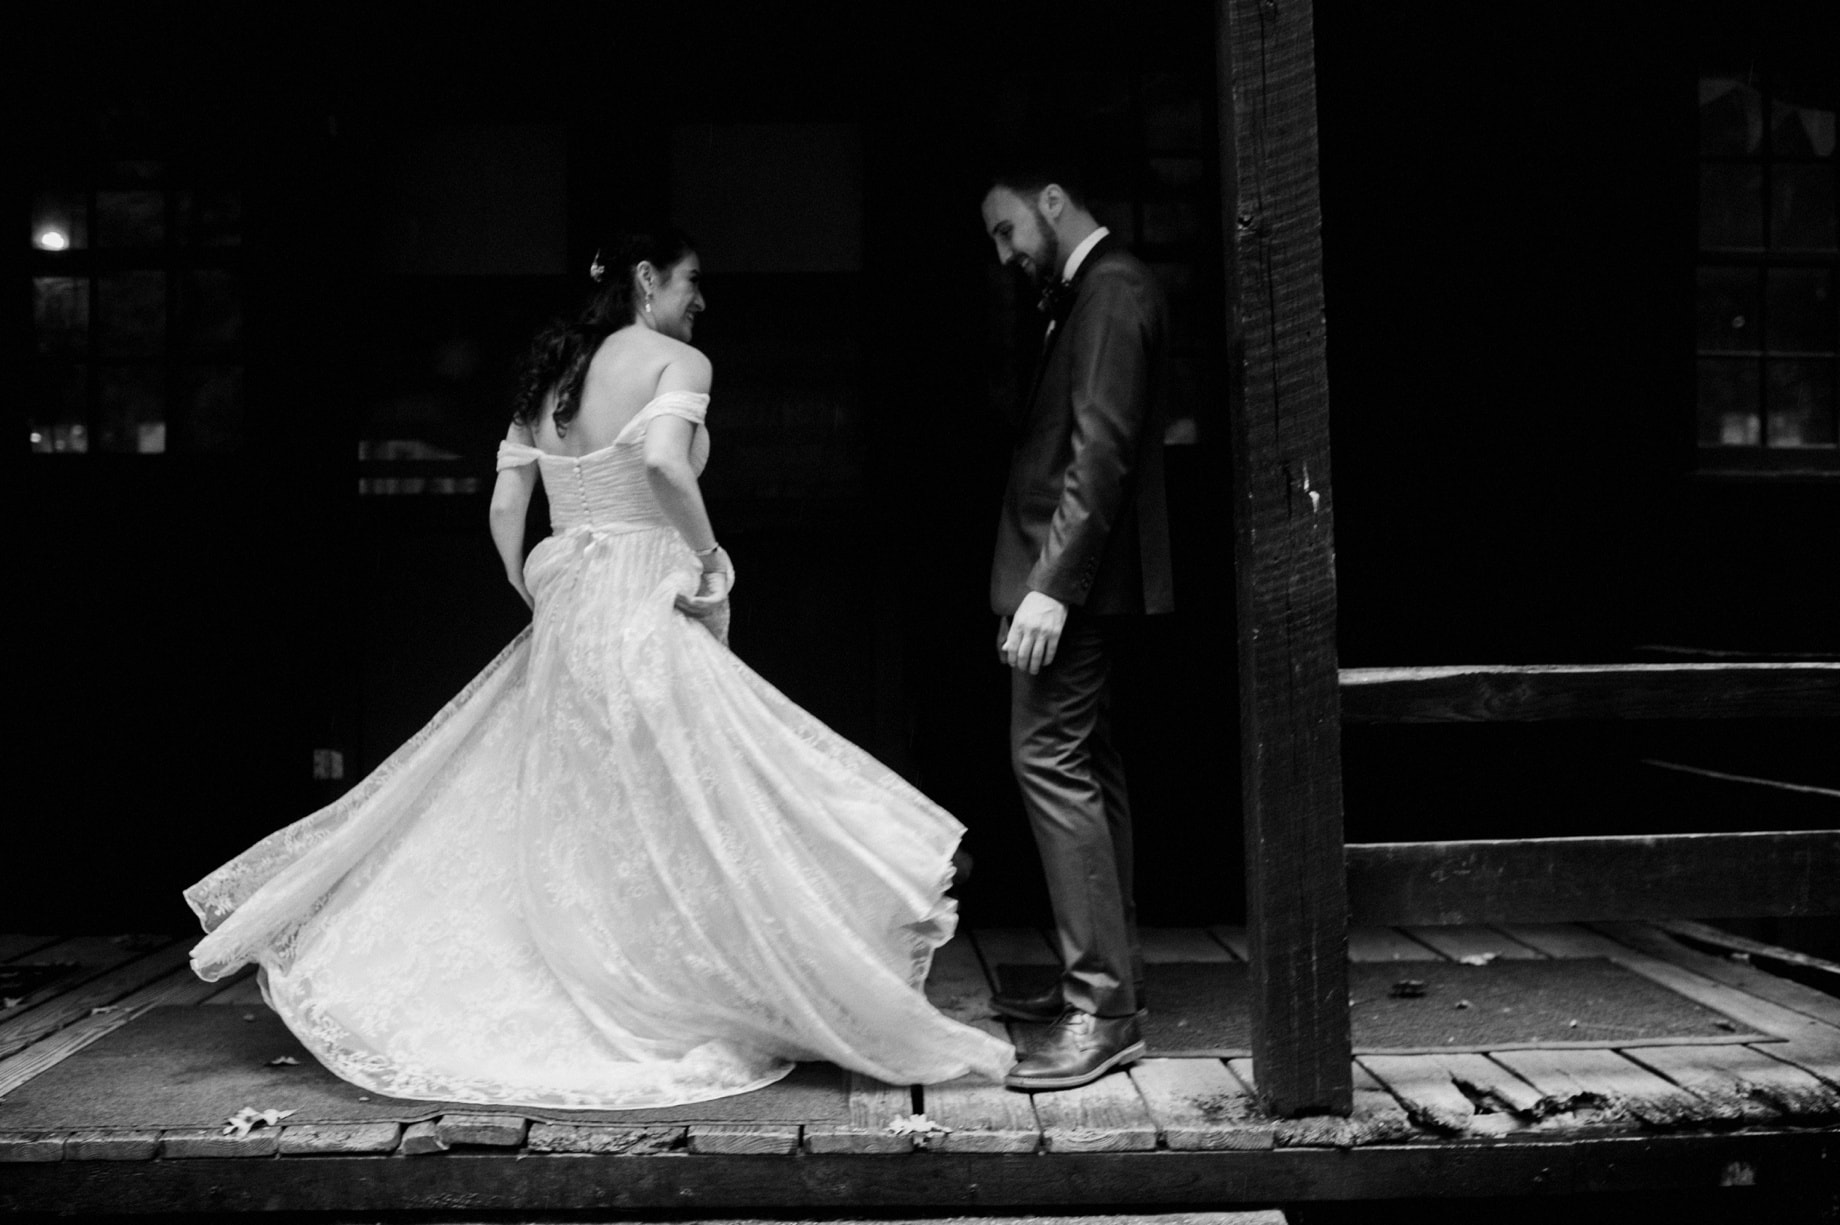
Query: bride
619,869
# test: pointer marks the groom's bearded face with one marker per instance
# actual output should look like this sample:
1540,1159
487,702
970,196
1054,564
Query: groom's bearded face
1024,239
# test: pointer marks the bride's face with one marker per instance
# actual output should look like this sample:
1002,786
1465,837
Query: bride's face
678,298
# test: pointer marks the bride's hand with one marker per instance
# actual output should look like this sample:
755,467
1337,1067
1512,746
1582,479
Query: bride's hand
711,593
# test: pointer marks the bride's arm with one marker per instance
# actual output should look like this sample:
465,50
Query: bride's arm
668,467
510,508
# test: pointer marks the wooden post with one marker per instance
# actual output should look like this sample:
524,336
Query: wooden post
1290,733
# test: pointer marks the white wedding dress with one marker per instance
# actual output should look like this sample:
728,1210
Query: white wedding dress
619,870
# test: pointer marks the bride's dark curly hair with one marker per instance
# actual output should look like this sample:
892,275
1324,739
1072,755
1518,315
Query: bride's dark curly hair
558,358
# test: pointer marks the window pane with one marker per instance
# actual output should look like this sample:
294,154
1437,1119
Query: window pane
130,218
60,313
60,404
60,221
1731,206
212,218
213,310
1730,117
1802,208
1802,316
1729,314
1802,114
133,408
1728,403
131,314
1801,404
213,400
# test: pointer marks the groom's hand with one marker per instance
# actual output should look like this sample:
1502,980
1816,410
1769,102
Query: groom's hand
1034,633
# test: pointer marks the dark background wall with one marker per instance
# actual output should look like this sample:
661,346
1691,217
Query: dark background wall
1509,220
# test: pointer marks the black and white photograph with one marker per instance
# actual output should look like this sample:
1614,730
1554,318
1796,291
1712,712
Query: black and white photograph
1188,612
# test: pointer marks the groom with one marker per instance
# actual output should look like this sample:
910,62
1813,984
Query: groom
1082,549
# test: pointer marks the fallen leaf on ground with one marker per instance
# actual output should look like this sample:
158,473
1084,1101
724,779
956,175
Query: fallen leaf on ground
915,1125
281,1061
1478,959
249,1117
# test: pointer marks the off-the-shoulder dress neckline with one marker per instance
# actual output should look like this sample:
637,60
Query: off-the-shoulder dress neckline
626,429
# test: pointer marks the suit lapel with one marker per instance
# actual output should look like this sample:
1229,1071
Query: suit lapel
1073,293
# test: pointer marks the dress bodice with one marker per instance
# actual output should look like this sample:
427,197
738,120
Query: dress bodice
609,487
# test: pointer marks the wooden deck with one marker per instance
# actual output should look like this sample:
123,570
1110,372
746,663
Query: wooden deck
1169,1133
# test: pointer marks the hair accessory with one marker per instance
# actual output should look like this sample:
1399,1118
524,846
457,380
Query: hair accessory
597,271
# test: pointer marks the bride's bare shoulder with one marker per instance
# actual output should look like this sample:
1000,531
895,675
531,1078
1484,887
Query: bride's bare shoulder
685,368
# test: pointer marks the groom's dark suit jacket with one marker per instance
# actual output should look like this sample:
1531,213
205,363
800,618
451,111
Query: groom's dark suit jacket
1085,516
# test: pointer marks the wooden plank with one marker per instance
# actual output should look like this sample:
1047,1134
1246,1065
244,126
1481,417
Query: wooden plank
1488,693
1603,1087
982,1117
88,957
420,1139
1553,880
1425,1088
104,1144
847,1185
1646,940
76,1000
315,1138
490,1130
179,987
605,1139
1106,1116
1385,944
875,1106
33,1146
191,1143
1233,938
1693,932
1284,555
1496,1088
1375,1116
1740,1081
736,1139
1167,945
1470,942
1747,995
1199,1105
19,948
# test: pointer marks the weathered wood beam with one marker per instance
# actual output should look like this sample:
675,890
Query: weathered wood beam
1488,693
934,1182
1562,880
1290,726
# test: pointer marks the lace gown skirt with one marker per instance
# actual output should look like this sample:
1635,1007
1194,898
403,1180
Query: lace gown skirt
619,870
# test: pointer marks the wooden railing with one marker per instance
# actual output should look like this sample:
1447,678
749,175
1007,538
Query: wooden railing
1590,691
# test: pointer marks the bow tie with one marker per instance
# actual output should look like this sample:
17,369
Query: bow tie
1056,298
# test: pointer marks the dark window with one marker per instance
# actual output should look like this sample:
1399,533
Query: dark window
137,314
1768,274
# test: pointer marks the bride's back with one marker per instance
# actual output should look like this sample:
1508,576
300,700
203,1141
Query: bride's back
622,379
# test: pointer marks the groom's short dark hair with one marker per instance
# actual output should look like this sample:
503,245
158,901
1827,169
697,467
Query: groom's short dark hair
1027,171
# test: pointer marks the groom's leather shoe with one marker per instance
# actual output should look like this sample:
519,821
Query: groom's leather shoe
1078,1049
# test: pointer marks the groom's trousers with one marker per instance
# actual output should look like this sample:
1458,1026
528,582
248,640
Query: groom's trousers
1073,789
